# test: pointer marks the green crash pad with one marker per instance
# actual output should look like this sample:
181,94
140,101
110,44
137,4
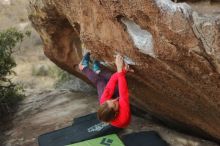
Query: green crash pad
108,140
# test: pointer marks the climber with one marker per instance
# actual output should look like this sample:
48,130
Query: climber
112,91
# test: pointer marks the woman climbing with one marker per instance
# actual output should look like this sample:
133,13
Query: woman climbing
112,91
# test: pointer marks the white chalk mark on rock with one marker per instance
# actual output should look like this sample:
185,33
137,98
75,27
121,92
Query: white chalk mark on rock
128,60
142,39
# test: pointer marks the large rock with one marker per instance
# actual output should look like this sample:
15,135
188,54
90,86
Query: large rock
175,52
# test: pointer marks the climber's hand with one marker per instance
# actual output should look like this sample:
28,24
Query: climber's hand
127,68
119,63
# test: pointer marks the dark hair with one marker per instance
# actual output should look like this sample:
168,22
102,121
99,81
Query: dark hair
106,113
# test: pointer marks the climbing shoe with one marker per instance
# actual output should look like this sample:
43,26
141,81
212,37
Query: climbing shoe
96,67
85,60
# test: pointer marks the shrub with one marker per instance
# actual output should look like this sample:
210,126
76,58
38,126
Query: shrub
40,70
10,94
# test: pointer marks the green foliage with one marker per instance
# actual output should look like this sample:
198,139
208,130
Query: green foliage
46,70
62,77
40,70
10,93
8,40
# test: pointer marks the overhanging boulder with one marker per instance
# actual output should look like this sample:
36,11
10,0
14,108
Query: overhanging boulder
174,52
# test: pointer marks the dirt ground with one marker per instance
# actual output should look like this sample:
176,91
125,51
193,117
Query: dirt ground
49,110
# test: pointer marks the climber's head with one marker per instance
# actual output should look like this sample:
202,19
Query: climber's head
108,111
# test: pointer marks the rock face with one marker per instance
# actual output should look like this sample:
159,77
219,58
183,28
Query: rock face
174,52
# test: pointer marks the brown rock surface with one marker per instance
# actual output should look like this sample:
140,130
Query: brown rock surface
175,52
